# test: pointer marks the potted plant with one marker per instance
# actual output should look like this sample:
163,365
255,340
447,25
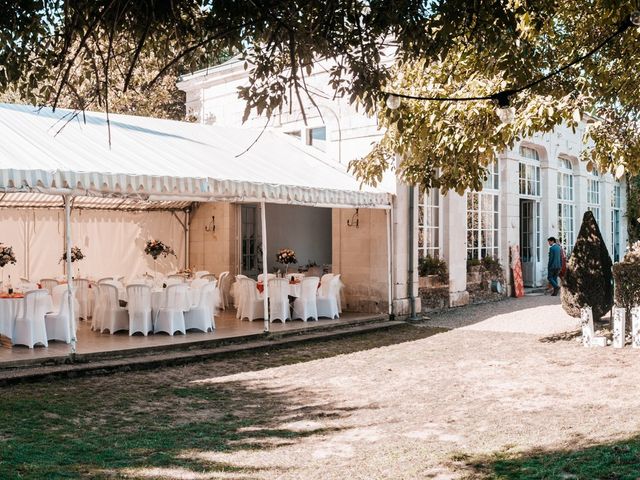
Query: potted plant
432,271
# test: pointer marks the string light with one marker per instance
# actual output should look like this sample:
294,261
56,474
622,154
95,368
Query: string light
504,110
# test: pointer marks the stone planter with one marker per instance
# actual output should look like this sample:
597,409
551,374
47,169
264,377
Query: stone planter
474,274
430,281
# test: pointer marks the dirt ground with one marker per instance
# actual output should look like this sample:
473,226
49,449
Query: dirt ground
427,408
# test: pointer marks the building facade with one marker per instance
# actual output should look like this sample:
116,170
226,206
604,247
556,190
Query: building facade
536,190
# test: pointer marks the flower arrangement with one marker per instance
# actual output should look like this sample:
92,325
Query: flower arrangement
155,248
76,255
187,272
286,256
6,255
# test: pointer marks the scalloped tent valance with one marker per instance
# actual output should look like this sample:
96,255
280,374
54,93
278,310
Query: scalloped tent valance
44,153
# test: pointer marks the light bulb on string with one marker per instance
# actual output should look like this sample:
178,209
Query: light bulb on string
393,102
505,112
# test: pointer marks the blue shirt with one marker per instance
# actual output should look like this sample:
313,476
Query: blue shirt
555,257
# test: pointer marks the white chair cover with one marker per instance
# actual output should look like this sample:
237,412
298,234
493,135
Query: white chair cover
252,304
175,277
201,316
325,283
224,284
201,273
279,300
170,316
105,279
327,300
196,285
139,308
112,316
269,277
339,291
30,327
58,324
305,306
96,314
84,298
48,284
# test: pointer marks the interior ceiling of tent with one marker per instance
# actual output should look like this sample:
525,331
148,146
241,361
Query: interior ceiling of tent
41,200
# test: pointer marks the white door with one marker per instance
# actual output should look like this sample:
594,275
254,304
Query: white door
528,240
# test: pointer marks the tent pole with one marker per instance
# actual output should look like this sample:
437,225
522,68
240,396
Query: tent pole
389,265
265,280
187,235
72,318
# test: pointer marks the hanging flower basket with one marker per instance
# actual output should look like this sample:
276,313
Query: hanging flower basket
156,248
6,255
76,255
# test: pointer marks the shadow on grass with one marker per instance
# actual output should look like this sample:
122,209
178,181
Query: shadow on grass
615,460
149,424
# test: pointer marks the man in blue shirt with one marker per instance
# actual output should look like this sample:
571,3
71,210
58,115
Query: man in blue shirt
555,265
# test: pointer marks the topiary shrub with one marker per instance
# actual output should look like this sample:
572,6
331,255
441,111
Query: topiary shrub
429,265
627,278
589,279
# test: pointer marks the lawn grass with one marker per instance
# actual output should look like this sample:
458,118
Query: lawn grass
95,427
611,461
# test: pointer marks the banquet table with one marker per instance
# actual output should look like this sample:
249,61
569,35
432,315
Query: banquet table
10,307
295,288
157,295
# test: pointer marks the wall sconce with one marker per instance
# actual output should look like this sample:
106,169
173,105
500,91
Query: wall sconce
211,226
354,221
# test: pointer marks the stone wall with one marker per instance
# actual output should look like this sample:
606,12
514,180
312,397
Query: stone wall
214,251
360,256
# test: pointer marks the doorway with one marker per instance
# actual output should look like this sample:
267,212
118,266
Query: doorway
250,243
530,240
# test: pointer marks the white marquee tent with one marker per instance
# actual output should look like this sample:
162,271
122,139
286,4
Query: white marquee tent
130,179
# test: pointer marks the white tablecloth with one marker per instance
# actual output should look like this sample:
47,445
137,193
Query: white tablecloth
9,310
156,297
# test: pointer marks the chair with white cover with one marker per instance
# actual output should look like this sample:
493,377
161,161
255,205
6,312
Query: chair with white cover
269,277
170,316
176,276
174,281
325,283
201,273
81,286
209,276
30,327
105,279
279,300
48,284
327,298
201,315
305,306
339,293
112,316
96,313
252,304
224,284
59,324
236,292
196,285
139,308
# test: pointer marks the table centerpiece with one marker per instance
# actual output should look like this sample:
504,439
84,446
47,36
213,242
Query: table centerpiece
286,256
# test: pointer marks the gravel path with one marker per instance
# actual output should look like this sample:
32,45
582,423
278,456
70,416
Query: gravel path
426,408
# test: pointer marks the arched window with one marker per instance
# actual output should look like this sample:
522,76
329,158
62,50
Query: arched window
429,223
483,217
593,194
529,172
616,216
566,204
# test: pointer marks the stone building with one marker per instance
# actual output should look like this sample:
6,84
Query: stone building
536,190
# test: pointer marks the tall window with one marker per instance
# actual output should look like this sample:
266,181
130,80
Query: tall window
593,194
483,218
566,204
616,214
429,223
529,172
249,239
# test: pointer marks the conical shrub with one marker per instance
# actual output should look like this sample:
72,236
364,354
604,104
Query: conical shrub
589,279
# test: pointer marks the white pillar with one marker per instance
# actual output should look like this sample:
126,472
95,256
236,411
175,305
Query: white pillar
265,280
389,262
455,246
72,322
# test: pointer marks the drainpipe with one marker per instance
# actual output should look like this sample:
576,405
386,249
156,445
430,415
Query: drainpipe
412,298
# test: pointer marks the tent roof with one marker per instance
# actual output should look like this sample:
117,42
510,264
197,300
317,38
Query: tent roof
154,161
